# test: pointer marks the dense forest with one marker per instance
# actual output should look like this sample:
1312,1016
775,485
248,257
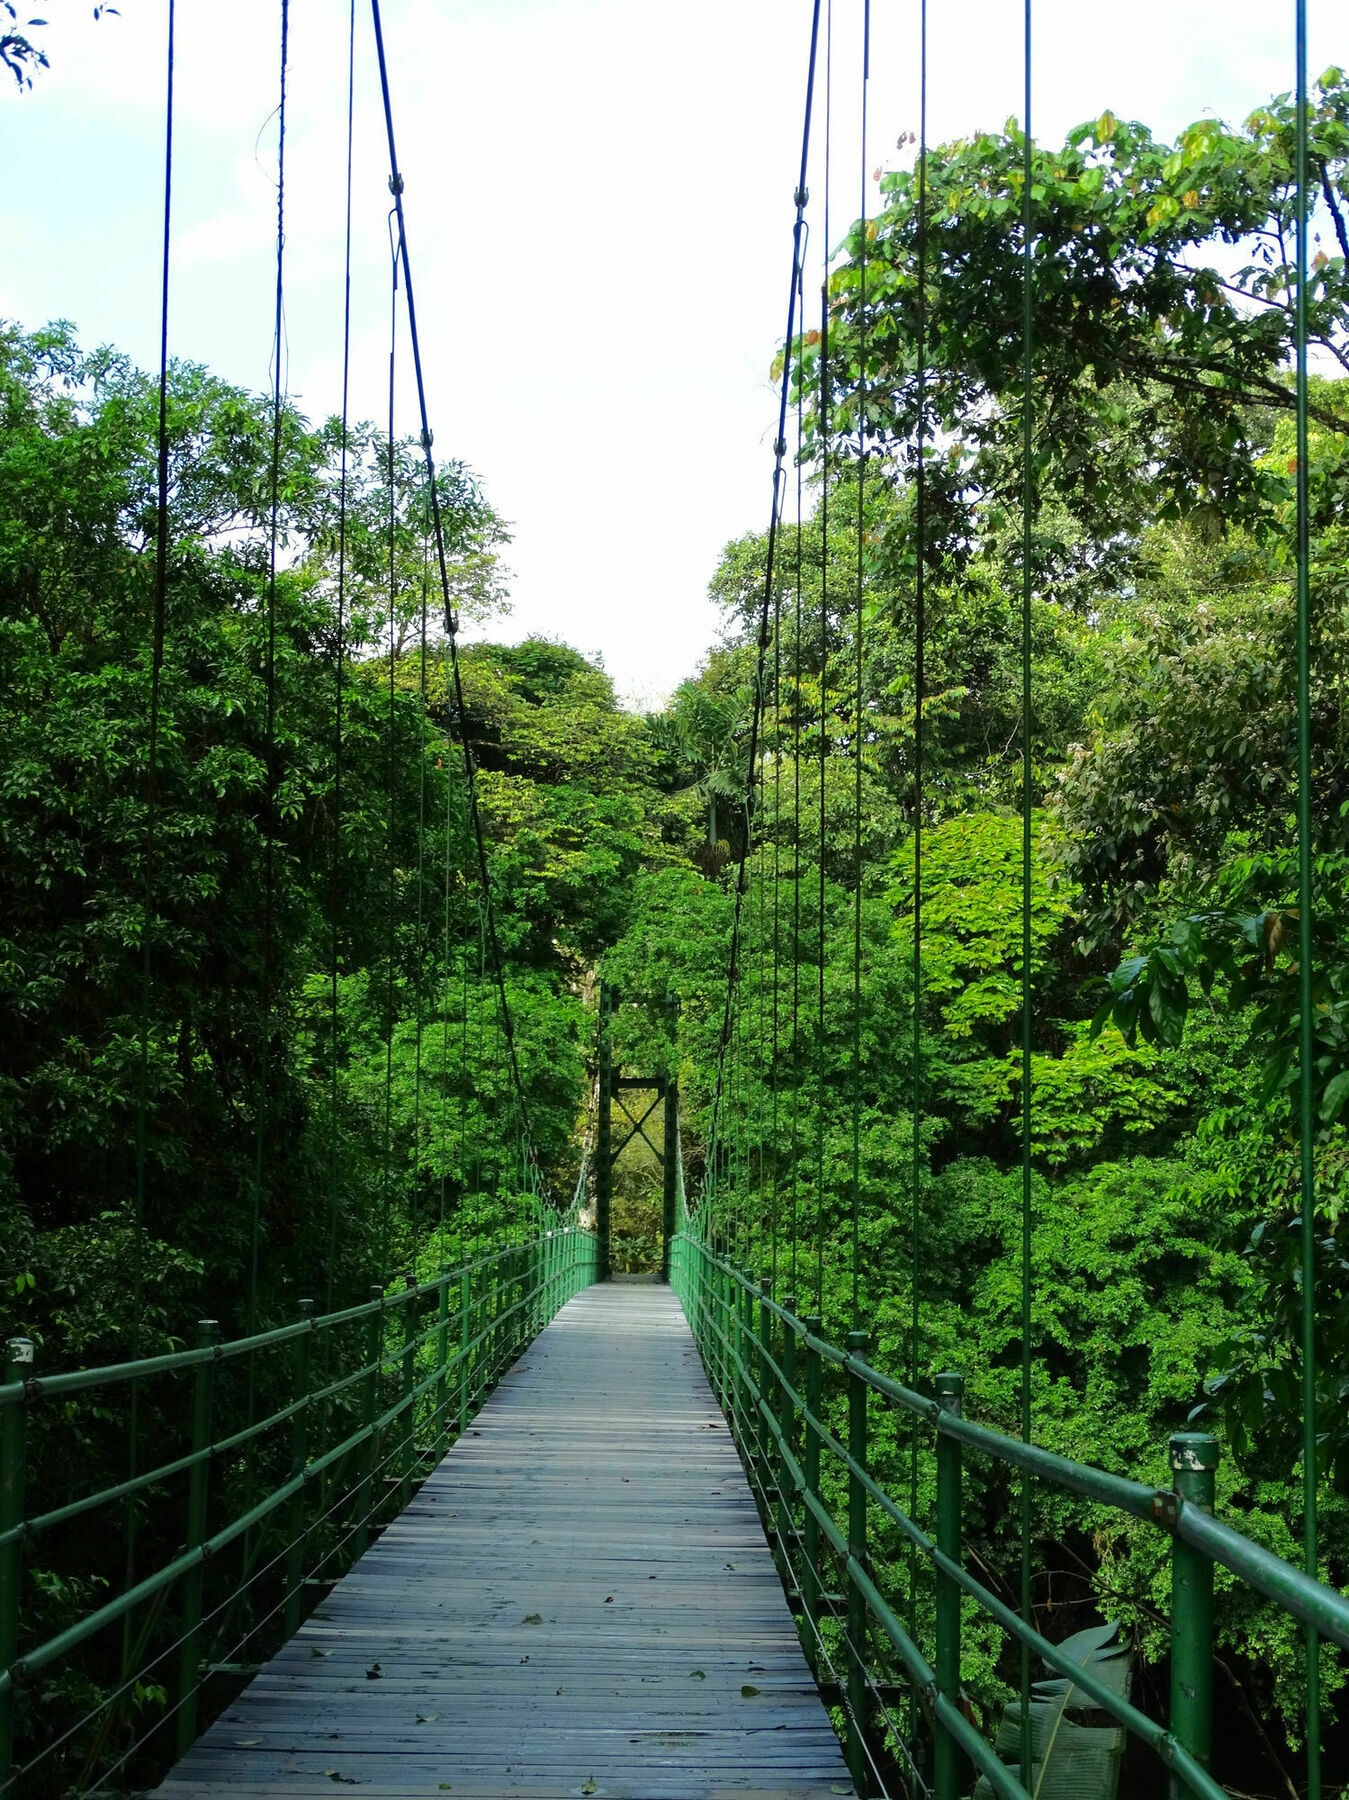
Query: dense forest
260,1026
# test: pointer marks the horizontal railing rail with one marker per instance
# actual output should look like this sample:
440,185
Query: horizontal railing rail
324,1457
766,1365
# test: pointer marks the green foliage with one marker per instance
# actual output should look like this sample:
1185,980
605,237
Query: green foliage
1070,1760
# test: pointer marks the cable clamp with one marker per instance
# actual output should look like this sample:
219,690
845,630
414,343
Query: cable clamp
780,447
801,196
1166,1509
428,438
395,183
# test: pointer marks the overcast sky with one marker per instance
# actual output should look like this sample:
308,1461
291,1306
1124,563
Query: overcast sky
599,205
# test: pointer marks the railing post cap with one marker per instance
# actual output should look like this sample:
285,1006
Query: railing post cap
208,1329
306,1307
858,1340
1190,1450
19,1350
789,1303
813,1323
948,1382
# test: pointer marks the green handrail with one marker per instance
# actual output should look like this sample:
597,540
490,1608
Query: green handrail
337,1456
757,1370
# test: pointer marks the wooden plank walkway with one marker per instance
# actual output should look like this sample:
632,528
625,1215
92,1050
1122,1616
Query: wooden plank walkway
580,1601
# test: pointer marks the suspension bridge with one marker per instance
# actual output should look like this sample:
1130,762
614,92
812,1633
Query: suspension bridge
522,1527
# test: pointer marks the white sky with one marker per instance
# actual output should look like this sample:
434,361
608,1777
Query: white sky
599,213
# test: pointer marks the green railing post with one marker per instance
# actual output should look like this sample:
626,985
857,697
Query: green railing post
787,1426
946,1757
465,1338
744,1310
810,1525
198,1499
408,1358
669,1176
299,1457
1194,1459
766,1458
857,1551
374,1360
13,1476
442,1361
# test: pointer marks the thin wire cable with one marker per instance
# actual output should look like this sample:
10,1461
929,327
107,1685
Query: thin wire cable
451,621
1027,984
796,808
391,847
920,694
263,1106
779,452
339,669
418,996
151,788
821,1086
1306,1032
860,704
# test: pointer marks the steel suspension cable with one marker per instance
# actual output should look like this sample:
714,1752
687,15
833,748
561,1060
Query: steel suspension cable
825,422
391,773
796,807
451,620
1306,1028
860,714
919,696
800,198
339,667
1027,774
151,792
263,1102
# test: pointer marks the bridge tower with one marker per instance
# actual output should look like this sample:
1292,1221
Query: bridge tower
612,1085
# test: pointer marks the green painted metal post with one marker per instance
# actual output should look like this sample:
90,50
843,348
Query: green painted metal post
198,1498
1194,1460
13,1477
299,1457
855,1745
946,1756
787,1426
465,1338
669,1175
374,1356
810,1525
767,1458
604,1154
408,1359
442,1361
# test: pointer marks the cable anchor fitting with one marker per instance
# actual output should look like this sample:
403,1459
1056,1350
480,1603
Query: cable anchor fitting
395,183
801,197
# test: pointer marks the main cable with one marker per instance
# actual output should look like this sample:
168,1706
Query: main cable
800,198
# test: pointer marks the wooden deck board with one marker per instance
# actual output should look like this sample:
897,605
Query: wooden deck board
580,1601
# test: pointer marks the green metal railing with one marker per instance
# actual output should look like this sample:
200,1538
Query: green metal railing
221,1547
767,1367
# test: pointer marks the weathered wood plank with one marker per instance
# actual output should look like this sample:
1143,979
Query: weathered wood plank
580,1601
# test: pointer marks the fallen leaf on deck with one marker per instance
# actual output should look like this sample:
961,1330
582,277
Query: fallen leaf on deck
532,1619
748,1691
374,1672
697,1675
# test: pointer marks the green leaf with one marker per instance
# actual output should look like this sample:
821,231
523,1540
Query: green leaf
1070,1760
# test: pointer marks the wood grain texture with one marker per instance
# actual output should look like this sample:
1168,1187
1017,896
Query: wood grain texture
580,1601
